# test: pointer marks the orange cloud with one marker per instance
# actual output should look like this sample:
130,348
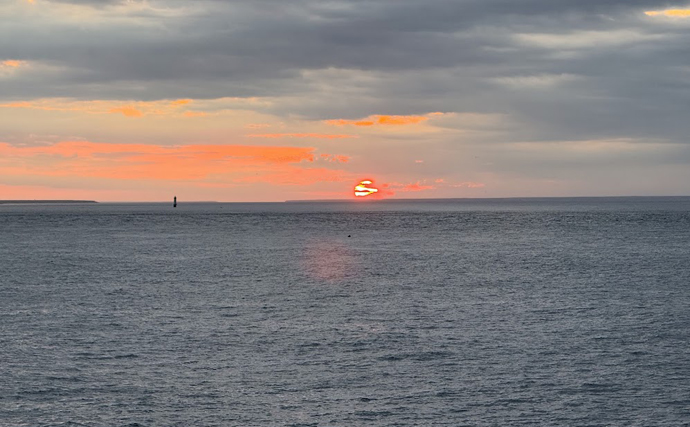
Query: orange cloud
12,63
301,135
673,13
401,120
140,161
380,121
22,104
343,122
127,111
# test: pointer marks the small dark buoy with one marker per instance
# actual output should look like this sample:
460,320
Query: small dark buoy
348,235
175,202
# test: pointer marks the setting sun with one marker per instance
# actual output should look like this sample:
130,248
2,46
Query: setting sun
362,189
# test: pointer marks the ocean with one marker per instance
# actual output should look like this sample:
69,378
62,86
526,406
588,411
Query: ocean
515,312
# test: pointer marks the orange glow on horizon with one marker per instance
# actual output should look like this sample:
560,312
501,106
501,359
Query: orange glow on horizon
278,165
364,189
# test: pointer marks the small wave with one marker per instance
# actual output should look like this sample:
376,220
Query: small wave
94,356
373,414
419,357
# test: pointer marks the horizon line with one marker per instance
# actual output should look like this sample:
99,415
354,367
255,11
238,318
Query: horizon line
349,200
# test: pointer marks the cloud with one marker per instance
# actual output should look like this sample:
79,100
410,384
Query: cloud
9,68
379,121
541,81
673,13
152,162
12,63
417,187
587,39
127,111
126,108
335,158
409,187
298,176
468,185
529,72
257,125
302,135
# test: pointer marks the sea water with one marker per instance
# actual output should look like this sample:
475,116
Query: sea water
571,312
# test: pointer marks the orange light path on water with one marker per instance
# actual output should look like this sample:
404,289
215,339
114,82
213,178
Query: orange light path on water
362,189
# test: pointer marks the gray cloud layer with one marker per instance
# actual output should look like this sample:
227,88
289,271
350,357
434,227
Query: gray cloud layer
565,69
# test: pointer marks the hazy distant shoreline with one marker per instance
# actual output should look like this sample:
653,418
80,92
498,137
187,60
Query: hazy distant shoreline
497,199
42,202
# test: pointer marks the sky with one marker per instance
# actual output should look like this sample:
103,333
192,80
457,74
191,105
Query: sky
272,100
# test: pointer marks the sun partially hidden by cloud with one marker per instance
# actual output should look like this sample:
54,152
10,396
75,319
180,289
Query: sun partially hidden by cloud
365,188
673,13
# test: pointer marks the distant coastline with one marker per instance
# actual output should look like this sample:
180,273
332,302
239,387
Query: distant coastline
43,202
488,199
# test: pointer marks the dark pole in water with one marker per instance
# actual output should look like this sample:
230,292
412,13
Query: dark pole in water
175,202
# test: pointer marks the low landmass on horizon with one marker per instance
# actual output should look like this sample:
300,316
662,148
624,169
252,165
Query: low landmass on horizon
30,202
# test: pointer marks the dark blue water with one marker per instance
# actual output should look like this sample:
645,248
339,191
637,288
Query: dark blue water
481,313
